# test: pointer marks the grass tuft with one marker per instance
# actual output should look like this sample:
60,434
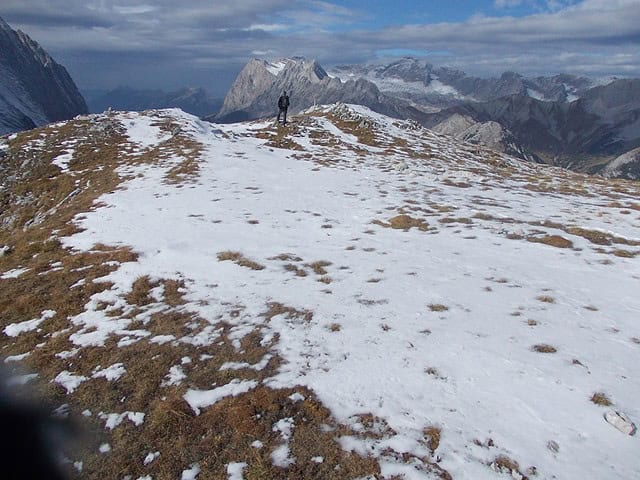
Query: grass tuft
140,293
544,348
552,240
601,398
319,267
546,299
438,307
432,437
239,259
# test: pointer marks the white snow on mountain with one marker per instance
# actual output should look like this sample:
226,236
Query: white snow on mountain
276,67
444,299
398,86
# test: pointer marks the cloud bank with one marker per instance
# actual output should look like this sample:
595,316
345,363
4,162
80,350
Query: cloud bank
169,44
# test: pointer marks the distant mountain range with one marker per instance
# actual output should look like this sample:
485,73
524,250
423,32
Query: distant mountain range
34,89
564,120
434,88
192,100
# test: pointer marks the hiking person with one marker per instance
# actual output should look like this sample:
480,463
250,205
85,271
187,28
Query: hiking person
283,105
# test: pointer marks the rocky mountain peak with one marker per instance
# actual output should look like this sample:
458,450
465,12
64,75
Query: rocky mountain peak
34,89
255,91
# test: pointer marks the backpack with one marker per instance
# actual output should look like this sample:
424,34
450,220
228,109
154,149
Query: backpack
283,102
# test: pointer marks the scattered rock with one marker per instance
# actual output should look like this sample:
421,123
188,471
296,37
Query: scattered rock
553,446
401,166
621,422
5,250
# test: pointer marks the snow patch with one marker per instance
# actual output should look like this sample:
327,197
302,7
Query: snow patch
191,473
15,329
235,471
275,68
15,273
112,420
198,399
62,161
69,381
112,373
175,376
151,456
16,358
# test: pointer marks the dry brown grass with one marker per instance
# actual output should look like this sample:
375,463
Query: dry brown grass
437,307
504,464
363,131
281,137
319,267
185,148
173,292
465,221
300,272
140,292
552,240
601,398
600,238
404,222
546,299
544,348
287,257
432,437
239,259
624,253
453,183
276,308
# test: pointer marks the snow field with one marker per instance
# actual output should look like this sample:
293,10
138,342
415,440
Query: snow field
419,329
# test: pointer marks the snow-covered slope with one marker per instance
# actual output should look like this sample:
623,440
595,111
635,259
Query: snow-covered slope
455,309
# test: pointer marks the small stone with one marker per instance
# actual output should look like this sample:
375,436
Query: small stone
621,422
553,446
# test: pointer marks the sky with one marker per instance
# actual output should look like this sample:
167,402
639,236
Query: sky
167,44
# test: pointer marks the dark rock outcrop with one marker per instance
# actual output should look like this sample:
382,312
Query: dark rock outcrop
583,135
34,89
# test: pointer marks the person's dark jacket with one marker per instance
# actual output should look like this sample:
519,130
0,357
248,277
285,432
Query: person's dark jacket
283,102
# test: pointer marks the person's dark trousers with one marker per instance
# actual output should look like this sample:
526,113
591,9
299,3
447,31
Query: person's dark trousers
284,112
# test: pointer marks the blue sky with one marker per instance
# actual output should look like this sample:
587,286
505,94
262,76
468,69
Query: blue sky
168,44
381,13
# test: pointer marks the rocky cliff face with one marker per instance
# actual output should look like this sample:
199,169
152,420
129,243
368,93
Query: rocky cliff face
34,89
256,90
626,165
490,134
583,135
